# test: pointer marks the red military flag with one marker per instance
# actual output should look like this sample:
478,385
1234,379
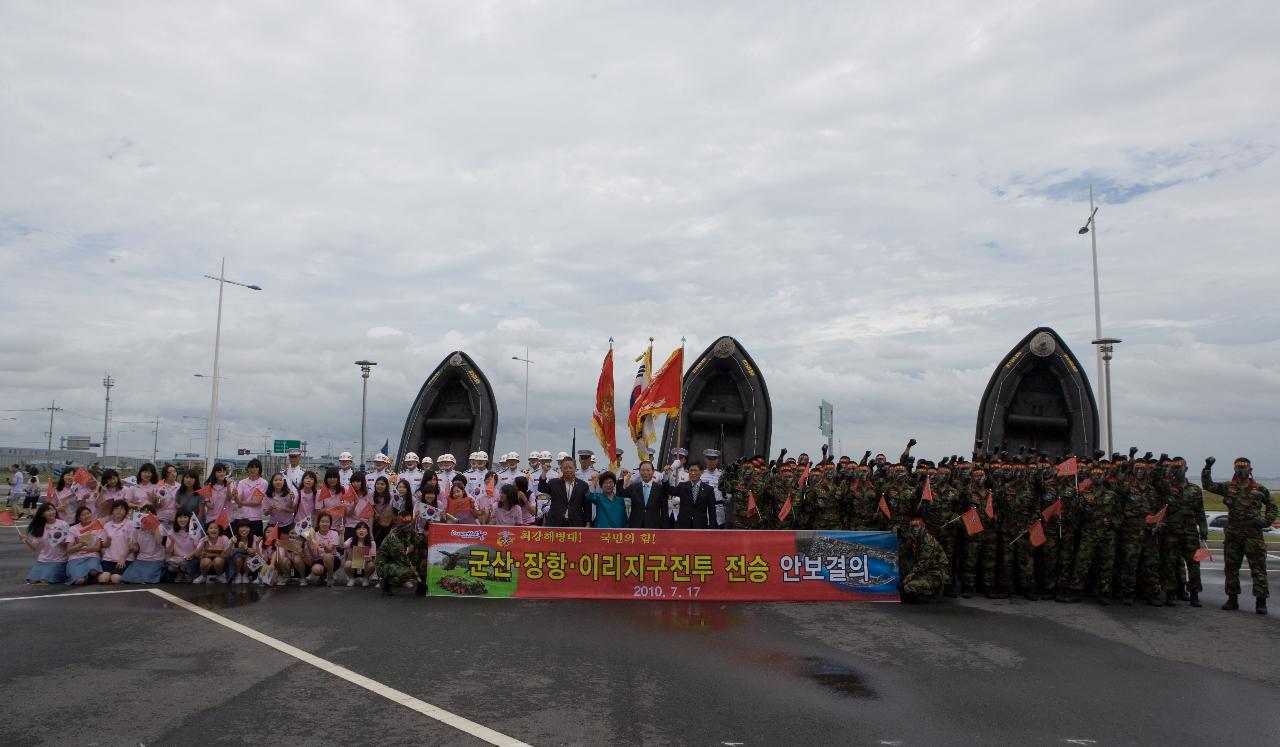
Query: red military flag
1054,509
205,492
991,506
1036,534
884,508
972,524
662,396
786,510
603,418
1068,468
752,509
1158,516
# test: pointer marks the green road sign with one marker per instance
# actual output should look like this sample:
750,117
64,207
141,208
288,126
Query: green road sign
283,445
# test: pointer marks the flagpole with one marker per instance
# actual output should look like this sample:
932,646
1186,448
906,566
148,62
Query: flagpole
680,417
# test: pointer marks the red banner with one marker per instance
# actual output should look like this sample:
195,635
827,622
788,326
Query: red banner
683,564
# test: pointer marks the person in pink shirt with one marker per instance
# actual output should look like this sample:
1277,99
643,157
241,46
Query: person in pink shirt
212,552
306,499
381,493
244,547
402,498
169,477
220,487
512,509
67,496
115,552
110,490
145,490
182,563
146,546
289,556
281,503
426,509
360,552
84,545
323,551
357,491
248,497
47,535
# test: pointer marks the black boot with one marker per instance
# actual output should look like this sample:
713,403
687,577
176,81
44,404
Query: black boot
1261,606
1195,598
1233,602
1169,598
386,588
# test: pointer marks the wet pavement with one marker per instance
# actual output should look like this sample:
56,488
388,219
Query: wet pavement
135,669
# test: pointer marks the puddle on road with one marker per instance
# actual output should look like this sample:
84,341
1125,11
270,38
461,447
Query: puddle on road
215,598
835,677
696,616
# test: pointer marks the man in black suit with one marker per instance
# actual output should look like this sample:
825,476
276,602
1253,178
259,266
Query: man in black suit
569,507
648,500
697,501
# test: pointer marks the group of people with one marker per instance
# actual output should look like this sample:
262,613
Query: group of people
1115,527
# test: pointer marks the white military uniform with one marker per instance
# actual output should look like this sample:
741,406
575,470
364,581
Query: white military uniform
293,476
446,481
475,481
414,476
345,476
508,476
712,477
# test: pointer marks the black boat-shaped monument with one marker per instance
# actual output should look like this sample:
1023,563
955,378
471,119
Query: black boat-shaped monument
725,406
454,413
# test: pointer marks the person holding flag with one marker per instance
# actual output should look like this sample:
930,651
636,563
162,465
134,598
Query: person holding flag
47,535
217,491
248,497
85,541
1185,529
1099,513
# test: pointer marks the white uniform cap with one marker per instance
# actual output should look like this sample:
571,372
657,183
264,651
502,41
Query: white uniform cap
445,458
344,456
411,457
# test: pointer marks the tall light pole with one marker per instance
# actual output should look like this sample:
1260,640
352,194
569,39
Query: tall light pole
209,442
527,363
1106,346
1091,227
365,368
107,382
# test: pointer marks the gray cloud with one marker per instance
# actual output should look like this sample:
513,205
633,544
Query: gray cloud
877,202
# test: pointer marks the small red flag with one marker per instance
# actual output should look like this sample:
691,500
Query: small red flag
224,519
972,524
1158,516
1068,468
884,508
1036,534
257,493
366,513
1202,554
786,510
82,476
273,534
94,527
805,475
205,492
490,484
1054,509
991,506
337,512
49,492
324,493
752,510
349,495
150,522
6,518
927,495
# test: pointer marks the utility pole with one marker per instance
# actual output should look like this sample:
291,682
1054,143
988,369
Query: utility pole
107,382
53,407
155,443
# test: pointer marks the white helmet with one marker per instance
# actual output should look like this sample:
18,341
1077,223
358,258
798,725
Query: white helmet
511,456
344,456
427,461
543,454
410,457
562,455
482,456
446,458
380,457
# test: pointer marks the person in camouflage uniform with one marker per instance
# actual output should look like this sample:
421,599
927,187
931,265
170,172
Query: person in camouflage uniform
402,557
1017,508
922,565
1139,537
981,549
1185,527
1099,513
1249,511
825,493
942,520
1050,489
863,499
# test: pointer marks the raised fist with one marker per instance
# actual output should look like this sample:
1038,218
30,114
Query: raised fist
911,443
1208,462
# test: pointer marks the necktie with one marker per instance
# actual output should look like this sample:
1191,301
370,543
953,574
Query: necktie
646,495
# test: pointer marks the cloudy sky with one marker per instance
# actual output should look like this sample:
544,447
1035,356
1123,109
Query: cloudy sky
878,203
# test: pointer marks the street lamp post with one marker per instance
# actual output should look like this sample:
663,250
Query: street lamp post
107,382
1106,346
527,362
209,447
365,368
1091,227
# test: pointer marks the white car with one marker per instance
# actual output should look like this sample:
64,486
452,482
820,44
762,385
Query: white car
1218,524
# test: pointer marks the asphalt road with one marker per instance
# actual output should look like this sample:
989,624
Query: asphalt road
134,668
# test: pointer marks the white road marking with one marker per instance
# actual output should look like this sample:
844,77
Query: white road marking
69,594
478,731
1080,740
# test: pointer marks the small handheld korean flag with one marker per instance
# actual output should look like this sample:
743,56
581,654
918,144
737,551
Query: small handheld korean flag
254,563
197,529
